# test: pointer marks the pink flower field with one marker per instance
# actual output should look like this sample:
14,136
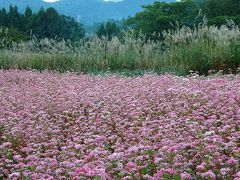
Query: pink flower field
66,126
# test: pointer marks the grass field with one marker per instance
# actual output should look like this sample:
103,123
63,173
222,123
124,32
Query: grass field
199,49
68,126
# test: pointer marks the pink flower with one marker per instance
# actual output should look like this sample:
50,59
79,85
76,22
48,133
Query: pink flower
14,175
17,157
186,176
224,171
237,176
131,166
238,114
74,126
232,161
209,174
202,166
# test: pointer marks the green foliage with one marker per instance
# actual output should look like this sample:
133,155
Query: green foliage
220,20
214,8
147,170
171,177
110,29
161,16
200,49
180,40
43,24
10,35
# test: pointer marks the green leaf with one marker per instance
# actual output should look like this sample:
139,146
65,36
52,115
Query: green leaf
177,177
167,176
143,171
28,177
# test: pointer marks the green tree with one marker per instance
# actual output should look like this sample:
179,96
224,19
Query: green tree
110,29
37,25
70,29
12,34
161,16
14,18
3,17
214,8
28,20
43,24
219,11
51,23
101,31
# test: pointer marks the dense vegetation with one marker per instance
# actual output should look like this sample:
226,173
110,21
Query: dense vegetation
153,19
161,16
44,24
109,29
201,49
176,37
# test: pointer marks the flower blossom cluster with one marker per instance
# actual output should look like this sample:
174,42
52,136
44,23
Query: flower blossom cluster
67,126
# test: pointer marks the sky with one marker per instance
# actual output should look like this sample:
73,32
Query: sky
51,1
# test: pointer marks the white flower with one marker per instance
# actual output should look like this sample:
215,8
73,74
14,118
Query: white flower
209,133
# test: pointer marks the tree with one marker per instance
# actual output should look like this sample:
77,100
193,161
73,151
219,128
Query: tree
219,11
13,17
162,16
214,8
52,23
101,30
12,34
220,20
43,24
3,17
28,20
37,25
71,29
110,29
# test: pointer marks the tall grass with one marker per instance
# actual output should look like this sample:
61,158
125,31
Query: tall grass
201,49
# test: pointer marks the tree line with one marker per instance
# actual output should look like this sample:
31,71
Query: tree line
161,16
153,19
43,24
